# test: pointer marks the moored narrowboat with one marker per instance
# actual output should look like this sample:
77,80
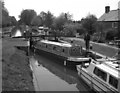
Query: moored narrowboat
62,50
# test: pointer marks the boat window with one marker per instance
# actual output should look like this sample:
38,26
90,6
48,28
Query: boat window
63,50
75,51
100,74
46,46
54,48
113,81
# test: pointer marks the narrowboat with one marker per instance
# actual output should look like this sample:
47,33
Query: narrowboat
102,75
62,50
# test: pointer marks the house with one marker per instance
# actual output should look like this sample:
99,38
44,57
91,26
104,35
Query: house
110,20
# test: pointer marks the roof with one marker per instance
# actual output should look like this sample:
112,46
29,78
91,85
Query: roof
109,69
110,16
42,28
56,43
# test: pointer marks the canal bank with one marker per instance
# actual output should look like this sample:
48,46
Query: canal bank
16,73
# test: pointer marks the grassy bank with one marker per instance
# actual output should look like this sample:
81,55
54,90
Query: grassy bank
16,73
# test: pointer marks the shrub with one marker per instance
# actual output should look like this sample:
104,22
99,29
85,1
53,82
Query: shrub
111,34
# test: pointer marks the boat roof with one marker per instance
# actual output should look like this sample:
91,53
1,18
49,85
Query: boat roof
109,69
79,59
57,43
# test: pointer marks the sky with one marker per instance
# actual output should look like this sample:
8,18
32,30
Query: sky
78,8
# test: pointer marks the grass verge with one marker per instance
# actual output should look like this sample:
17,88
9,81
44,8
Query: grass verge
16,73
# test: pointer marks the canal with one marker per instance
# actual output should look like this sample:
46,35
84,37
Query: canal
50,75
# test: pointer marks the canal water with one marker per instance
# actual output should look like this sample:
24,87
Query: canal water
50,75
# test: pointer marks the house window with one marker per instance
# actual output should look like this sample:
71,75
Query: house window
114,25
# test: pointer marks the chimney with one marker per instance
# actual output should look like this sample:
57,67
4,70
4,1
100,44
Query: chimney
119,19
119,5
107,9
119,10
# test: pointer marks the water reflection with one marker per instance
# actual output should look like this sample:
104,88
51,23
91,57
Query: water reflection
55,77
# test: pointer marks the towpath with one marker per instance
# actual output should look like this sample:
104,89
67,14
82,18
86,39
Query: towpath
101,48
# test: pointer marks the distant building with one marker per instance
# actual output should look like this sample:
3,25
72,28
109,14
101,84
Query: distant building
43,30
110,20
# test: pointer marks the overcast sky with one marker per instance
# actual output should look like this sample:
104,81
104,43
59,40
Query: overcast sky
78,8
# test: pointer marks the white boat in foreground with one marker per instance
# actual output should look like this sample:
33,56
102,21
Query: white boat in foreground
101,75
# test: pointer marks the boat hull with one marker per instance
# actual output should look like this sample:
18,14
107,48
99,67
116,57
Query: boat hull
62,59
78,60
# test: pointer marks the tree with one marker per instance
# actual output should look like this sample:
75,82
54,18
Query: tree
71,28
47,19
79,29
58,23
68,17
27,16
36,21
13,20
100,31
61,20
5,15
89,23
43,17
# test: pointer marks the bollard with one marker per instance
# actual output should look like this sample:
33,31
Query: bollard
28,51
28,48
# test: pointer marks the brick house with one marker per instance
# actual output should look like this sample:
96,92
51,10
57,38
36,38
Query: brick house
110,20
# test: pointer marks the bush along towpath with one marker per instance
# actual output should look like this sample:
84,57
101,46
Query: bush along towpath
16,73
